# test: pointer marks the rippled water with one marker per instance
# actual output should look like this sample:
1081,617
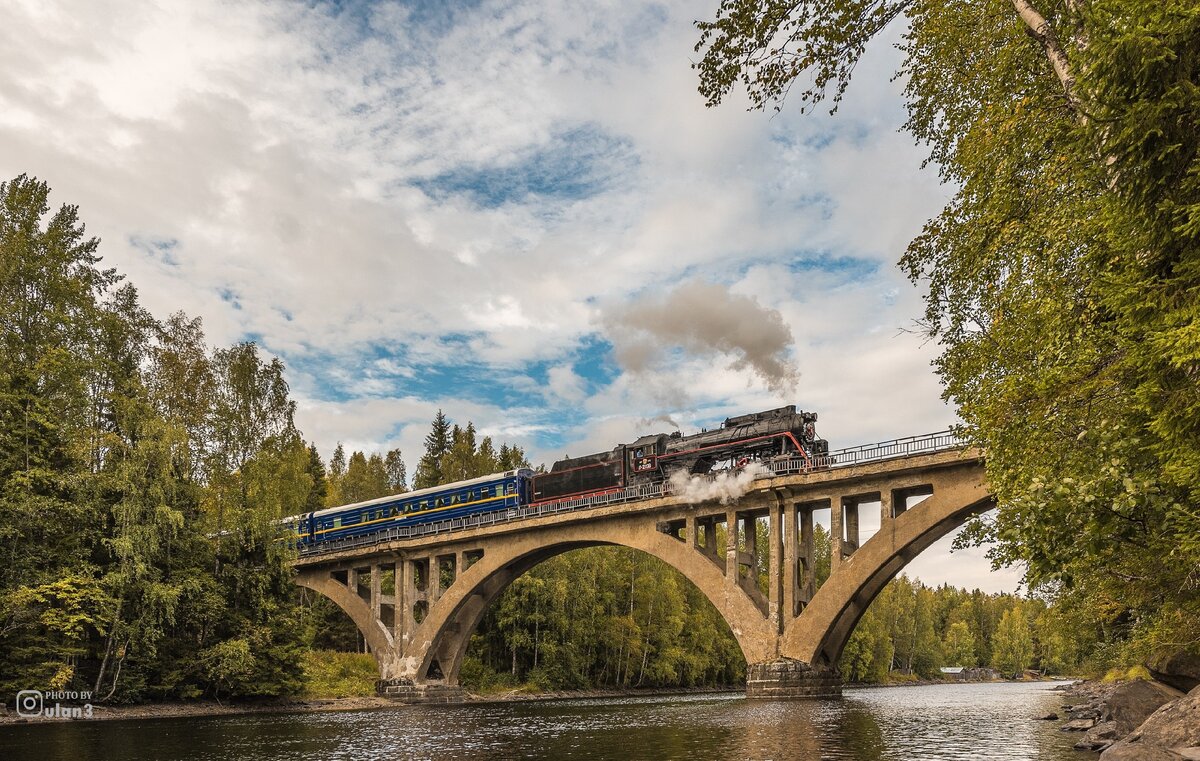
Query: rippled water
988,721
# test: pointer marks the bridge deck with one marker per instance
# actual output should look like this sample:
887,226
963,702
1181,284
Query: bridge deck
890,459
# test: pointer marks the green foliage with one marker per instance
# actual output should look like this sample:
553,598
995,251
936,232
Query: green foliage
914,630
365,479
1013,650
437,444
602,617
958,644
331,674
765,44
327,625
1061,276
141,475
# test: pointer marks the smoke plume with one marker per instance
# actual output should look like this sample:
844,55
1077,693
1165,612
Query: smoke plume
705,319
649,421
724,488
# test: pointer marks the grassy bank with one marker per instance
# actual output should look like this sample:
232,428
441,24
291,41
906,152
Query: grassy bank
330,674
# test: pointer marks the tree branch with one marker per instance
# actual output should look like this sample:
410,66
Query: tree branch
1039,28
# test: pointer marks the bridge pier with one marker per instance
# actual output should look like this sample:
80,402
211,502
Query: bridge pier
404,691
786,677
789,678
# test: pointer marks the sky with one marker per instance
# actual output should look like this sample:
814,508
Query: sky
518,212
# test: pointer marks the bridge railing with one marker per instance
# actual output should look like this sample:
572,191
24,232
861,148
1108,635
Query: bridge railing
884,450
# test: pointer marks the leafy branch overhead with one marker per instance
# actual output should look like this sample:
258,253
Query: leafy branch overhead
767,46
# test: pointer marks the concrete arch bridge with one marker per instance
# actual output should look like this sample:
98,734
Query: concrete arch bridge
418,593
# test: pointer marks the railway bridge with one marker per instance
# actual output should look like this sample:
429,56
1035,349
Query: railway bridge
418,592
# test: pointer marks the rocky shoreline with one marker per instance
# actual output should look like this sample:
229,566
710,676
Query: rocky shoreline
1140,720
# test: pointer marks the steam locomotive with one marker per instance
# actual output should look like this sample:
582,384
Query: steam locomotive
760,436
741,439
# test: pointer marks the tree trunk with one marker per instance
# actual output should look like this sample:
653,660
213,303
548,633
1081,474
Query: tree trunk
112,635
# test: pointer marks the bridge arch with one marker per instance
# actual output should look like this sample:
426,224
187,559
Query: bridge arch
819,636
379,640
444,634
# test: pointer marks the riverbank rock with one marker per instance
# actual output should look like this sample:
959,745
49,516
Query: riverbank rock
1098,737
1132,703
1180,670
1077,725
1170,734
1091,697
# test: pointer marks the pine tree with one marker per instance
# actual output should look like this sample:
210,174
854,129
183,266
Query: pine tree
320,487
337,472
437,444
397,472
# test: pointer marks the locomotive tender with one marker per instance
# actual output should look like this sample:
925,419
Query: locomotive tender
757,437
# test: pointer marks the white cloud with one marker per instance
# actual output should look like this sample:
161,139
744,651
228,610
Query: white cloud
474,190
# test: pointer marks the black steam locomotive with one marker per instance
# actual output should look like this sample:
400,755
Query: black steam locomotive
759,436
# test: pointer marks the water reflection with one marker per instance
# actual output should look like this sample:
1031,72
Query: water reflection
942,722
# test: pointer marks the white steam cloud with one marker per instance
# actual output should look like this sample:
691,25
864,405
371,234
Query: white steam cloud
725,487
705,319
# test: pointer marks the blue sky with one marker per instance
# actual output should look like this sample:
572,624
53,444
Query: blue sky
518,212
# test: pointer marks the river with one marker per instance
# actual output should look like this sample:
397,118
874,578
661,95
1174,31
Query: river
961,721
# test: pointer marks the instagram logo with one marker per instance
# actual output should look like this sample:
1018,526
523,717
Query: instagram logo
29,703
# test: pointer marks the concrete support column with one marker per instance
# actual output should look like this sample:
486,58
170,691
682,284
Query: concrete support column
850,508
403,603
352,580
776,566
409,585
689,532
433,587
376,589
710,537
731,546
835,533
458,564
808,561
886,517
791,562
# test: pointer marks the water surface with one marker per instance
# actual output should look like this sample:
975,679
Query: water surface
961,721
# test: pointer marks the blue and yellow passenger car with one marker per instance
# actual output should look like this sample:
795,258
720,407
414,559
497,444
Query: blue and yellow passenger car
498,491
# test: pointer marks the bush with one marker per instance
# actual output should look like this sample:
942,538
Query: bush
330,674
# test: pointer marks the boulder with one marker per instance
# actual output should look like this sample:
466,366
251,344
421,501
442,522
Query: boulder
1132,703
1172,732
1077,725
1180,670
1098,737
1123,751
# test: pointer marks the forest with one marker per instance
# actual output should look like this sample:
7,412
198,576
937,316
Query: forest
142,472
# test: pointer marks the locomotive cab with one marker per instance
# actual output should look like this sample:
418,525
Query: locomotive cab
642,455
